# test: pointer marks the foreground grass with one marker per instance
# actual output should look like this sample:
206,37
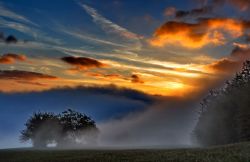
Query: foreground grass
229,153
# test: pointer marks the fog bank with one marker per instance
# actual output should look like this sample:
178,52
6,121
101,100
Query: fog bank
161,125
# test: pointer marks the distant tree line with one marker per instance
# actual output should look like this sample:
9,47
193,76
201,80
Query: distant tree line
67,129
225,113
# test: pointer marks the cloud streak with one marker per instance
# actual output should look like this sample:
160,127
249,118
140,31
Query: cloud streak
92,39
33,32
110,27
23,75
4,12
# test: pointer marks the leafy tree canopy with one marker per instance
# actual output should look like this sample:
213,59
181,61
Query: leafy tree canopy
69,127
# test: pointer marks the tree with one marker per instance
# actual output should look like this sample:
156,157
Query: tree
68,128
41,129
225,113
78,128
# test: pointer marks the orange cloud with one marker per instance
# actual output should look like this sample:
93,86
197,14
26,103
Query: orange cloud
11,58
196,35
83,63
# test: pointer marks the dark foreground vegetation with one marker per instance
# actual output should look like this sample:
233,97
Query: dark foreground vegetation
228,153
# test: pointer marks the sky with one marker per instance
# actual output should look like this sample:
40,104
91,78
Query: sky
114,58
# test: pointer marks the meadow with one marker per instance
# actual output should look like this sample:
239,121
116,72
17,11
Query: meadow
228,153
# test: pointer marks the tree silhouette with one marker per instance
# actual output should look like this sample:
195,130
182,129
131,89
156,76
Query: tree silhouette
68,128
77,128
41,129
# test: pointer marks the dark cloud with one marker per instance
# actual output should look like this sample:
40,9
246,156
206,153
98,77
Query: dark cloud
111,90
23,75
8,39
11,58
136,79
102,103
11,39
181,13
83,63
194,12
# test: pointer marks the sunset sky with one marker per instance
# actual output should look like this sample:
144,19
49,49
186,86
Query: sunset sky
168,48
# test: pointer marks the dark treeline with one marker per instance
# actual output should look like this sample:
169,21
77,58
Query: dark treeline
225,113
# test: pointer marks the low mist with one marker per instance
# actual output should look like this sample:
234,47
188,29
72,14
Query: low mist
162,125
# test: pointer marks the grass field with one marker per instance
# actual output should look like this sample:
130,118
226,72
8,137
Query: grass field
229,153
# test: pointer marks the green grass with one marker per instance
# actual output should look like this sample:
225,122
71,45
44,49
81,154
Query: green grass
228,153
